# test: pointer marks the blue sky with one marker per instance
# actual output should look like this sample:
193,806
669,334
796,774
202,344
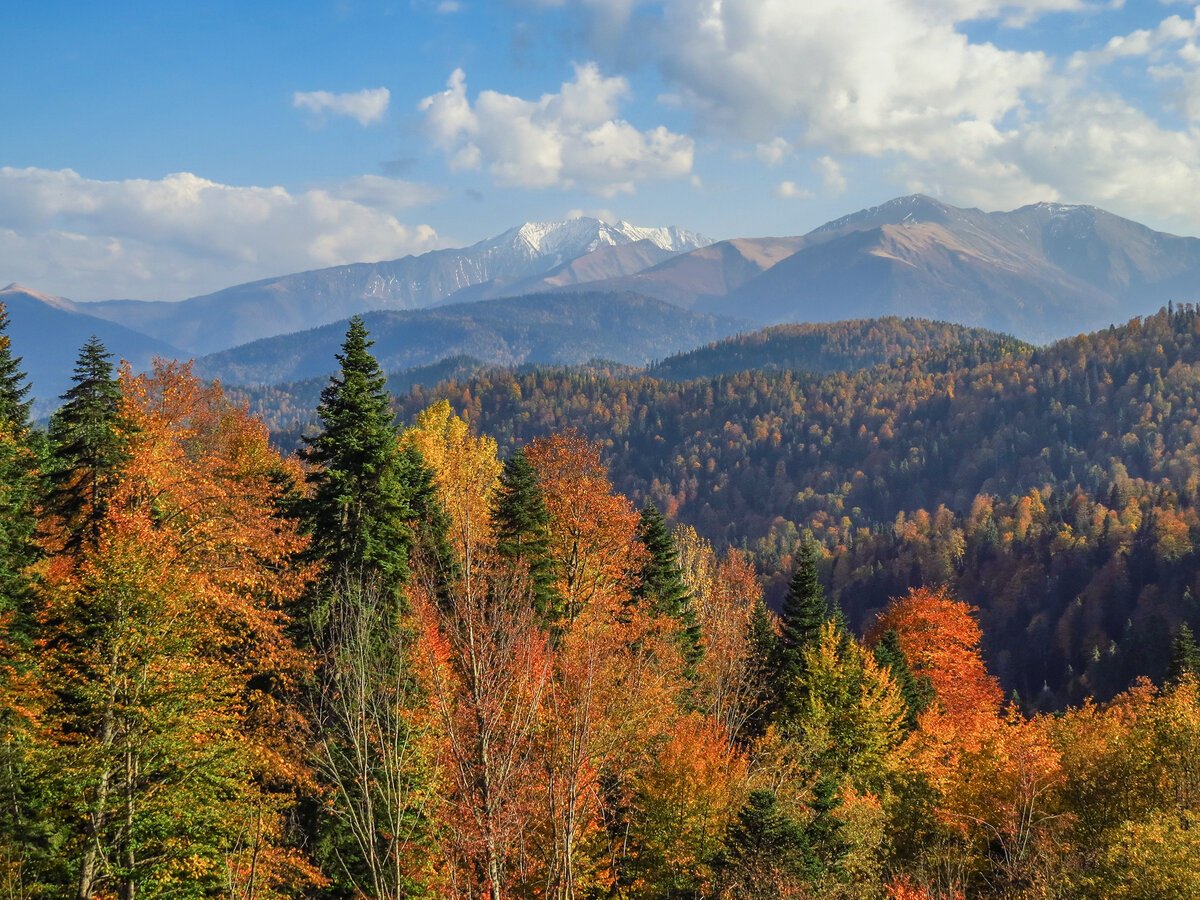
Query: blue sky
163,150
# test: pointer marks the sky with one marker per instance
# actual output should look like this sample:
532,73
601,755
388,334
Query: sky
164,150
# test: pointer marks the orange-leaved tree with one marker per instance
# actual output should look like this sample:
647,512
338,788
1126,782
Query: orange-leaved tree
174,742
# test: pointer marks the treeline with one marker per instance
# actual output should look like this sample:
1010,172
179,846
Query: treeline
403,667
1054,488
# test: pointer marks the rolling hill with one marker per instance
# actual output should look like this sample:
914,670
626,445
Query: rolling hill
554,329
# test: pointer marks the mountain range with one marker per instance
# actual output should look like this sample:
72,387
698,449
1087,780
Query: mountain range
1039,272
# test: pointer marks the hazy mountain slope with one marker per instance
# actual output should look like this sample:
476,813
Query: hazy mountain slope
1039,272
711,271
290,303
541,328
608,261
47,333
833,347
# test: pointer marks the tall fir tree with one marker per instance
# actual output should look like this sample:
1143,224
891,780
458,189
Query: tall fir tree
19,491
1185,655
373,510
917,692
521,526
24,832
805,611
89,447
661,586
360,509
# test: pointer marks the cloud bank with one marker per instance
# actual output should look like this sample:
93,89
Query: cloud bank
182,234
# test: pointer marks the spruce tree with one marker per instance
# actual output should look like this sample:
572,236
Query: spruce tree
805,610
767,854
521,525
15,402
18,480
661,586
764,645
360,508
917,692
89,440
1185,655
372,509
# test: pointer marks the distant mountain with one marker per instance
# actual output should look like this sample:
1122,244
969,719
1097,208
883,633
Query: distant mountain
835,347
275,306
1041,271
48,331
703,274
541,328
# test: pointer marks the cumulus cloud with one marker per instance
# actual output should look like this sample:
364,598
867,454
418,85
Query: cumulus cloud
907,84
365,107
183,235
789,190
774,151
573,138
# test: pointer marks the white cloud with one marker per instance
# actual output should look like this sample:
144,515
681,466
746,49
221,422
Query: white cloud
831,174
904,83
789,190
573,138
366,107
774,151
446,7
182,234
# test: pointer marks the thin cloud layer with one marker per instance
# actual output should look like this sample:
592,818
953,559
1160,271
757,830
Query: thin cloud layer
365,107
570,139
182,234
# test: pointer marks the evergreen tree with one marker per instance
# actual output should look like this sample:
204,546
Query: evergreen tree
14,386
917,692
521,523
767,854
89,446
432,523
764,645
661,584
1185,655
360,510
805,611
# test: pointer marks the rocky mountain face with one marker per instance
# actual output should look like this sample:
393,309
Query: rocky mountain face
290,303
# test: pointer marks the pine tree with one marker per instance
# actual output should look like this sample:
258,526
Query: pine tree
1185,655
89,447
661,584
521,526
805,611
360,508
917,692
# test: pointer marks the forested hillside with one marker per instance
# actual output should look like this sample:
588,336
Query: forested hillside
1054,488
405,665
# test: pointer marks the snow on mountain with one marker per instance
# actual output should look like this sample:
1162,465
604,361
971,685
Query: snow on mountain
289,303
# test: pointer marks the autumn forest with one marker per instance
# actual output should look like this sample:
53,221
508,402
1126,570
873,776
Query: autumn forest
905,622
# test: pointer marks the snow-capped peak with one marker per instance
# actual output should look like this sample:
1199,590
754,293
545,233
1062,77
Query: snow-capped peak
573,238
